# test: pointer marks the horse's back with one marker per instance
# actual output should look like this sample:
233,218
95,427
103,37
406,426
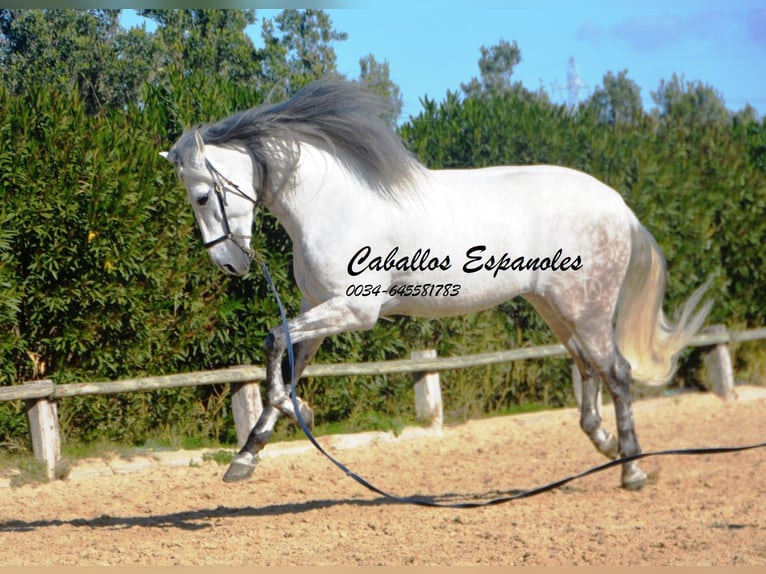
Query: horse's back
523,183
530,206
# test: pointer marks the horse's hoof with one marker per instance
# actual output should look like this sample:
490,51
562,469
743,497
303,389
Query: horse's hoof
307,414
633,478
241,468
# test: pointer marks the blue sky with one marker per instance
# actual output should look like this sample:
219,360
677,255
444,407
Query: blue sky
434,46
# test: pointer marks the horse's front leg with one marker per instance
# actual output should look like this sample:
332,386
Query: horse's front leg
278,379
306,333
243,464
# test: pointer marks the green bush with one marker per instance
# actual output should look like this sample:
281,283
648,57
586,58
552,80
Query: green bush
102,275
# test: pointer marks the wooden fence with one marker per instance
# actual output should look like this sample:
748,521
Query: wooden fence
42,396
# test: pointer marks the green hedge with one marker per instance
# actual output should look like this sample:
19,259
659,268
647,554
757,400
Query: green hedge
102,271
102,275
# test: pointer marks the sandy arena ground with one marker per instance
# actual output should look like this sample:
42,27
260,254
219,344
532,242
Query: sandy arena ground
298,509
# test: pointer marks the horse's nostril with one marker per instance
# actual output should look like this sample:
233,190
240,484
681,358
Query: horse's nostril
229,269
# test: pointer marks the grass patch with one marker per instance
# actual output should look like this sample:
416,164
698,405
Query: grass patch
221,456
31,471
750,362
23,469
99,449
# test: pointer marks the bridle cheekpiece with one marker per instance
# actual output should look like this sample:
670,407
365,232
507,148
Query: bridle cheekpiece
222,185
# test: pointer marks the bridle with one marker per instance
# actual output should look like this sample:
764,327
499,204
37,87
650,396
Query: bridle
222,185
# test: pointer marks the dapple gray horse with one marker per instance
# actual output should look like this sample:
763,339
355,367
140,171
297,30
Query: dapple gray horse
375,233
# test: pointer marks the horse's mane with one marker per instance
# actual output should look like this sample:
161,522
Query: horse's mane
339,114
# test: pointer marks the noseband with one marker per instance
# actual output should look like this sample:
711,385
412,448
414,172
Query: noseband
222,185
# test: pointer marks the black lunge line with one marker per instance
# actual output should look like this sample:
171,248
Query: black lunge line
494,501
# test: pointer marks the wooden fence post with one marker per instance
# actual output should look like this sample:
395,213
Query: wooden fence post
246,407
42,415
428,392
719,368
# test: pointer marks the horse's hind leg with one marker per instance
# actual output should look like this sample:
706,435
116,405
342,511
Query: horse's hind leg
614,370
590,419
591,343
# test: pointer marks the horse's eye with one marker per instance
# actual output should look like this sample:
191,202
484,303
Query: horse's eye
202,200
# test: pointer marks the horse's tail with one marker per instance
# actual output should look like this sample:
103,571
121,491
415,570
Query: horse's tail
645,337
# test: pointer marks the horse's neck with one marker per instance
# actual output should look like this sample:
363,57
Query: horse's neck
322,191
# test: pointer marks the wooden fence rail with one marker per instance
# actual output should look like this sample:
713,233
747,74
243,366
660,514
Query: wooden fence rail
41,396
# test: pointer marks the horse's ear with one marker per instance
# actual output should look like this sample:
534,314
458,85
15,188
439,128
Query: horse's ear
171,156
199,142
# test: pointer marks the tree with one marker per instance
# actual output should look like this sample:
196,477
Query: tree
212,42
70,50
691,102
376,77
746,115
301,50
496,69
617,102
